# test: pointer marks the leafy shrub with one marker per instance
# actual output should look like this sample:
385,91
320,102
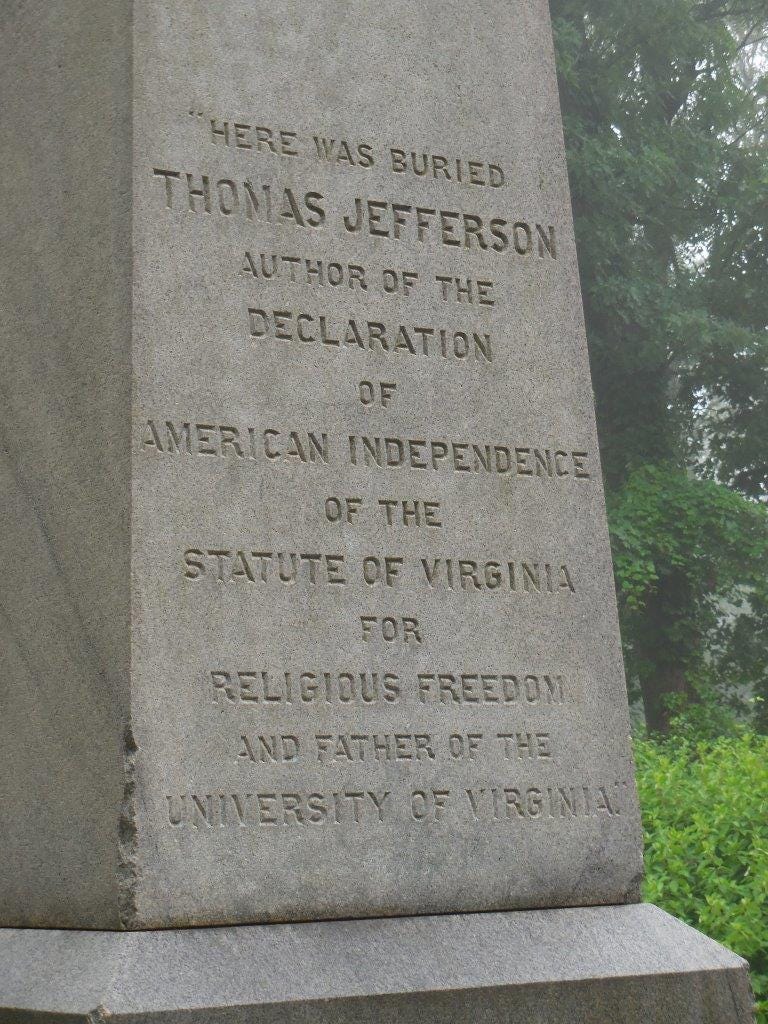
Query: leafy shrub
705,816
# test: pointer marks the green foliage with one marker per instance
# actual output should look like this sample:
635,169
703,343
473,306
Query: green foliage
665,105
705,815
705,719
690,559
668,160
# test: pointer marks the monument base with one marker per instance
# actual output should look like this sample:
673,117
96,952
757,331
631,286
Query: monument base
594,965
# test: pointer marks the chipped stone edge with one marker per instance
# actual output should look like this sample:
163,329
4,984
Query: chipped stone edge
127,875
99,1015
128,865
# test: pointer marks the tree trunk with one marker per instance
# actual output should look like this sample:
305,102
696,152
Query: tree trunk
655,693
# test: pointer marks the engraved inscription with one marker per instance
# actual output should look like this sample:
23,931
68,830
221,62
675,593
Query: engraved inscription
512,804
248,688
394,717
353,335
310,447
196,192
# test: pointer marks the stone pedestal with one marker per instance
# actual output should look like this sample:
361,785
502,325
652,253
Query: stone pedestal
598,965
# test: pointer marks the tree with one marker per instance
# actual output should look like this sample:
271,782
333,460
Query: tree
690,558
665,104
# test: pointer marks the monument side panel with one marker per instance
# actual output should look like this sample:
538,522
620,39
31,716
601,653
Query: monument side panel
376,661
65,164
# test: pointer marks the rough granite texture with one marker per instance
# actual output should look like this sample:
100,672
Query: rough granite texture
244,681
596,965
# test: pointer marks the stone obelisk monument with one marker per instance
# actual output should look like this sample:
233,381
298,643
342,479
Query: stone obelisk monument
313,692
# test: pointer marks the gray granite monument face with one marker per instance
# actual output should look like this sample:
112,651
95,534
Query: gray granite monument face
308,605
343,603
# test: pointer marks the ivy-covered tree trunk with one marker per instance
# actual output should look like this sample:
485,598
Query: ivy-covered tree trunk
665,652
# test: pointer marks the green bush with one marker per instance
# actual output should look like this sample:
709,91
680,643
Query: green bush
705,816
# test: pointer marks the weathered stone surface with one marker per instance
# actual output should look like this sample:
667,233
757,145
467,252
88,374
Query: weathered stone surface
595,965
65,415
310,610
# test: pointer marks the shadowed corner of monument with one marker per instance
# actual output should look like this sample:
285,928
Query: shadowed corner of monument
326,718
